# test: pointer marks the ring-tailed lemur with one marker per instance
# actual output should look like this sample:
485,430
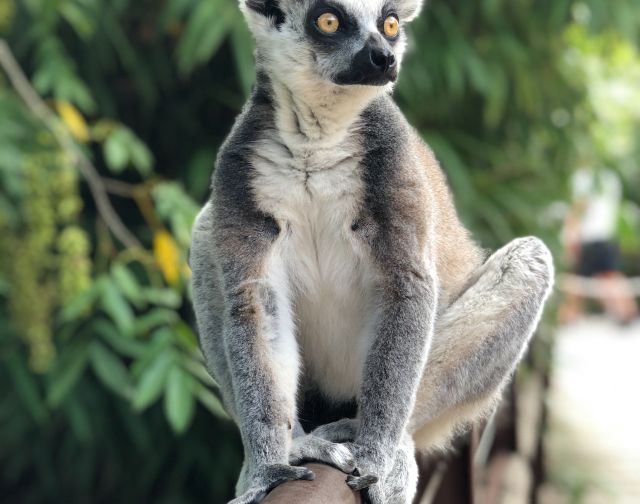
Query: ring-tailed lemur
334,286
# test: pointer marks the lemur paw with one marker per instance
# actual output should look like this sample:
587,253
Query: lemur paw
358,483
270,477
375,494
311,448
252,496
372,470
372,491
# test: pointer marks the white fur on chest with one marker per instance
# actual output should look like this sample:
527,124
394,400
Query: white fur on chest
315,196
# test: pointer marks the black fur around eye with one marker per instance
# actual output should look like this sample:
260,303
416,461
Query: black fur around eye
269,9
346,24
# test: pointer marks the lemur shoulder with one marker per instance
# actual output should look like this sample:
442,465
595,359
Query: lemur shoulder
344,310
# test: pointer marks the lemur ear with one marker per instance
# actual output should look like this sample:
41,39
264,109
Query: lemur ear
268,10
408,10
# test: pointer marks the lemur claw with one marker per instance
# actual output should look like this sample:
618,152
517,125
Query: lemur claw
357,483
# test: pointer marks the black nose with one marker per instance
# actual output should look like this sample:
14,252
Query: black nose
374,65
382,58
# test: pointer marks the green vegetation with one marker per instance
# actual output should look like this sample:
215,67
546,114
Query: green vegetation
103,396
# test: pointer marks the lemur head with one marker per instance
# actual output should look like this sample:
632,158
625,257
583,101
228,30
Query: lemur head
340,42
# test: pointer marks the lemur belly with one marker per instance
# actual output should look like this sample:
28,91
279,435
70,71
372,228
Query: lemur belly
332,301
331,283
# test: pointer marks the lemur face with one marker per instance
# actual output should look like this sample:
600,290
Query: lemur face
341,42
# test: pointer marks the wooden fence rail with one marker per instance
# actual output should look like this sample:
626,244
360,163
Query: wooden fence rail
329,487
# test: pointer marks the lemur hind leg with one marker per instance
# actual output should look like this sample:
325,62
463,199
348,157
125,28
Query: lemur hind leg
479,340
247,339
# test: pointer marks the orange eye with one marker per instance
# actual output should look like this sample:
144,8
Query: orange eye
328,23
391,26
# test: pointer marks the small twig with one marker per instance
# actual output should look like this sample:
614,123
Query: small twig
88,171
146,260
119,188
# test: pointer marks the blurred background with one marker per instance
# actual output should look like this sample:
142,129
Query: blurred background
111,114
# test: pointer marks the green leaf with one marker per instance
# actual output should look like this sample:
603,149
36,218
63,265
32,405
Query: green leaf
163,297
141,157
210,401
242,46
110,369
198,173
116,306
156,317
136,66
79,419
176,206
160,341
68,371
185,336
121,344
152,381
27,388
5,287
179,404
80,305
116,150
78,18
196,367
205,31
127,283
172,10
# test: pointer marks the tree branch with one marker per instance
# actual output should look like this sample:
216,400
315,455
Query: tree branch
88,171
119,188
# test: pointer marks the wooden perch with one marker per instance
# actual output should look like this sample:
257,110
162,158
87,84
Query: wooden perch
329,487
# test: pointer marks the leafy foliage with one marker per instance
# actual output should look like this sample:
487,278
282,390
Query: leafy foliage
104,394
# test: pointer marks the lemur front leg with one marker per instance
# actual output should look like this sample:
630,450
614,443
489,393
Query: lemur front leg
393,369
257,341
477,343
479,340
